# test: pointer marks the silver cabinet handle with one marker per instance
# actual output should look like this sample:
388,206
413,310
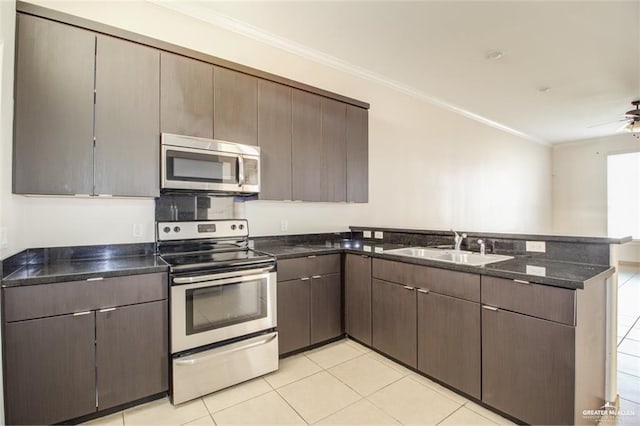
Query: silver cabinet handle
489,308
409,288
521,282
95,279
316,276
77,314
304,278
107,310
422,290
313,256
365,256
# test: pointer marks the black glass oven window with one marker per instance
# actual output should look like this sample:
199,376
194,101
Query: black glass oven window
195,167
220,306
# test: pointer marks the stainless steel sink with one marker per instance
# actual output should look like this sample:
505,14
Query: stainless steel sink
451,256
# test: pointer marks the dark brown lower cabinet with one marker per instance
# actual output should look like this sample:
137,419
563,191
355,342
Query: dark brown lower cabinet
50,369
294,319
357,283
528,367
326,308
449,341
131,355
394,320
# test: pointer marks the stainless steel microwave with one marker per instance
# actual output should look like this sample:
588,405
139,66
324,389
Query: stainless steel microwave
208,165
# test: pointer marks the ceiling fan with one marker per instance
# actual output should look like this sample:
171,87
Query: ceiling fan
631,119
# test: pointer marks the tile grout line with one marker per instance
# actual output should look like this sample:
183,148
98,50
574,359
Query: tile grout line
291,406
451,414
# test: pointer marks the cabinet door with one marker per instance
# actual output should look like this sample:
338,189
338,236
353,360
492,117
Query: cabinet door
357,154
445,326
307,154
293,315
274,139
186,96
528,367
131,353
127,118
394,320
235,111
334,150
50,369
358,297
53,132
326,308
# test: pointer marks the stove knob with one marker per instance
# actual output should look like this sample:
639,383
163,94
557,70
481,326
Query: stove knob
241,226
233,227
176,229
167,229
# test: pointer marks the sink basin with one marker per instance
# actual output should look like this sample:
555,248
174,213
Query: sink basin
473,259
452,256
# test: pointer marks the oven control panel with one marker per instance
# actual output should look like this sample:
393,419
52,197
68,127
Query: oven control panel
232,228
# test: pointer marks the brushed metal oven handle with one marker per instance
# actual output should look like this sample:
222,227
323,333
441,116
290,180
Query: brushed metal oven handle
213,277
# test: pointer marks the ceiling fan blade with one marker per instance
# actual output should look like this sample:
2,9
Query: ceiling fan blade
608,122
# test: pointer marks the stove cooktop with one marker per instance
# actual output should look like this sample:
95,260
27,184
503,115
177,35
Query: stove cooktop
216,260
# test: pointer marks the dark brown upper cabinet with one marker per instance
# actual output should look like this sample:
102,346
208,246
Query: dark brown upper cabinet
357,152
53,132
307,153
334,115
127,127
186,96
235,110
274,139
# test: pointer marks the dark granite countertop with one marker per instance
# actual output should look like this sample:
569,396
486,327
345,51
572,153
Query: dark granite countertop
543,271
60,270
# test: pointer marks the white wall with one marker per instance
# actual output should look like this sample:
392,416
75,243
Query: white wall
429,167
580,187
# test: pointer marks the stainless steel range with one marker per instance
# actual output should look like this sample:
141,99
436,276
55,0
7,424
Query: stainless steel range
223,306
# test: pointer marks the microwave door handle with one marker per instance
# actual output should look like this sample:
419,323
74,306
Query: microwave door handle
240,170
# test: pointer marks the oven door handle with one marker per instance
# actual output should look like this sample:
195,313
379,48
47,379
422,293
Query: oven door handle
213,277
240,346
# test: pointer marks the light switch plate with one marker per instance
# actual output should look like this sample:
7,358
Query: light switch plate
537,246
366,234
378,234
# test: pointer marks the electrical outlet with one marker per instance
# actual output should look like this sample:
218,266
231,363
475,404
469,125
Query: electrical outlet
537,246
284,225
366,234
378,234
4,239
137,230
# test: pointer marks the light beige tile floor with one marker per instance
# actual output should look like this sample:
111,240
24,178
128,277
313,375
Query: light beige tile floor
343,383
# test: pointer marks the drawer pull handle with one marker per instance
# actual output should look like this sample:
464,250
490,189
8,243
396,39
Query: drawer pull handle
77,314
316,276
521,282
107,309
364,255
409,288
95,279
304,278
422,290
489,308
313,256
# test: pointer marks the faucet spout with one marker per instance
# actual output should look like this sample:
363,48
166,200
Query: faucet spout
457,239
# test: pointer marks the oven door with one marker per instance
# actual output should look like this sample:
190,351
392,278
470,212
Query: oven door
201,170
216,307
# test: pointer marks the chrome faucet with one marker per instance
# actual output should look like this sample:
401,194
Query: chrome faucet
482,247
458,240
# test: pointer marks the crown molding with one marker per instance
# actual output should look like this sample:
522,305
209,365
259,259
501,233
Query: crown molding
195,11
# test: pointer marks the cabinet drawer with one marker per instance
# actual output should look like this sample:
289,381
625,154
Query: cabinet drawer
450,283
289,269
546,302
44,300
